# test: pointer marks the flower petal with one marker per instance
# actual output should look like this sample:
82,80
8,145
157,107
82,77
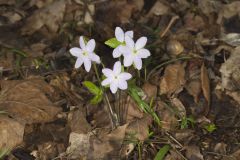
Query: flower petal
143,53
125,76
117,68
87,64
119,34
77,52
94,57
78,63
116,52
129,42
114,87
91,45
122,85
106,81
81,42
138,63
129,33
125,50
107,72
141,42
128,60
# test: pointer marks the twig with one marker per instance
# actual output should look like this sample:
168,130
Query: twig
169,25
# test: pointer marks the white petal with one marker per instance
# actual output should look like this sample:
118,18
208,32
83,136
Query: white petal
141,42
77,52
81,42
128,60
125,76
119,34
129,33
106,81
78,63
143,53
116,52
129,42
125,50
87,64
107,72
122,85
138,63
117,68
94,57
114,87
91,45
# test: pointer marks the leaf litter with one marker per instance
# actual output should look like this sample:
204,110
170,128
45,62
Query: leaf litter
51,117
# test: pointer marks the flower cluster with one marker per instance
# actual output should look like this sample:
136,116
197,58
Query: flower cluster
124,45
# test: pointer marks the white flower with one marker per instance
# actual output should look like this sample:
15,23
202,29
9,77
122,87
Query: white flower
120,36
116,78
85,54
134,52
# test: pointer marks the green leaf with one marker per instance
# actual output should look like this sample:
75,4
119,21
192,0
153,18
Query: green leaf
96,99
162,152
92,87
113,43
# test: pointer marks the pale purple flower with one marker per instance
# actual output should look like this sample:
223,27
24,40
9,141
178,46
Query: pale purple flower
115,78
85,54
120,36
134,52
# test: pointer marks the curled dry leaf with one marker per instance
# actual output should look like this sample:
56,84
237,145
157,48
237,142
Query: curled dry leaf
11,132
205,83
194,89
228,11
49,16
26,101
180,109
150,90
173,79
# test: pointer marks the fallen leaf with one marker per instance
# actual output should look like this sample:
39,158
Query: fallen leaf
180,108
79,145
26,101
107,146
139,128
232,39
78,123
193,22
208,7
11,132
173,155
205,83
193,153
49,16
150,90
168,120
194,89
228,11
173,79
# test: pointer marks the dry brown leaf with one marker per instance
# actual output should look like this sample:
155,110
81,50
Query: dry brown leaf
173,79
133,110
11,132
173,155
193,153
230,70
26,100
79,145
139,128
168,119
180,108
194,89
234,156
205,83
150,90
208,7
78,123
107,146
193,22
228,11
49,16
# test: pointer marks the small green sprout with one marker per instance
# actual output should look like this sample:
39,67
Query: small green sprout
185,121
210,127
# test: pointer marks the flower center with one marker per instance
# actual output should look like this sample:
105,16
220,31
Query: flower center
85,53
134,51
